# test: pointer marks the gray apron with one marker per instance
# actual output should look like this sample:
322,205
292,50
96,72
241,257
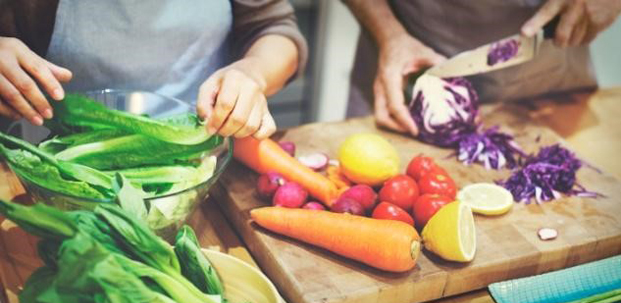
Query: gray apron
167,47
452,26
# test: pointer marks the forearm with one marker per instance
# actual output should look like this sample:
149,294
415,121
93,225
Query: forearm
377,17
275,59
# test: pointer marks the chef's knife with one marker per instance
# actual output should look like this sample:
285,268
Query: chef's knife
503,53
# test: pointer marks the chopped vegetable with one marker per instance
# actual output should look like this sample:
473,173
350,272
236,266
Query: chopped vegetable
356,237
547,234
502,51
315,161
491,148
267,156
544,176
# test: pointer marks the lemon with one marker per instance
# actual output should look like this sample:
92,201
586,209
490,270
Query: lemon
451,234
486,198
369,159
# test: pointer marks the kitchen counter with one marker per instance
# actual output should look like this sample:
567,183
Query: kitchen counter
590,125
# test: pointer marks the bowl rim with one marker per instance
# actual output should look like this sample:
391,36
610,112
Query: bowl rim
219,168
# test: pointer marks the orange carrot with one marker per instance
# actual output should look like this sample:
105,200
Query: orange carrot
335,175
385,244
267,156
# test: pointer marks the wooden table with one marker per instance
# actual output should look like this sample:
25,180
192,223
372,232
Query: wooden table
589,123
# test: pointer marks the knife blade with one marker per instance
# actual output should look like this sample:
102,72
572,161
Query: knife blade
508,51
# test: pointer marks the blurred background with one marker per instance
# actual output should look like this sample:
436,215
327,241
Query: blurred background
332,33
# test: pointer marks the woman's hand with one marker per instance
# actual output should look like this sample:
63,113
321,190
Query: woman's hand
233,102
581,20
20,71
398,57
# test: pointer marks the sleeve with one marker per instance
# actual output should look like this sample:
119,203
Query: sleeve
253,19
30,21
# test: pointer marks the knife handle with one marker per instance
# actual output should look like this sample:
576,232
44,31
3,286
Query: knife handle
550,28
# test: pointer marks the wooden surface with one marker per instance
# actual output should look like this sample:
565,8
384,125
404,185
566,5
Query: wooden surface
591,126
508,246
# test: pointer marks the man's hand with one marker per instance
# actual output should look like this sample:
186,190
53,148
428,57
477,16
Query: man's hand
20,71
581,20
399,57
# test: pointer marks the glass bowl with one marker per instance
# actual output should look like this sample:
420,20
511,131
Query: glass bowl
166,213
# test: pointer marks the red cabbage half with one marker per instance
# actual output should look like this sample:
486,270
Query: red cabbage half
443,109
544,176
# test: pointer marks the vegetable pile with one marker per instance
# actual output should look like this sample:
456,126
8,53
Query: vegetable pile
89,144
108,255
545,175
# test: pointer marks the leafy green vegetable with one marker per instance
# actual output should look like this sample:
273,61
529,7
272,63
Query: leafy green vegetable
79,110
31,168
130,199
77,171
58,144
194,265
134,150
138,239
156,174
40,220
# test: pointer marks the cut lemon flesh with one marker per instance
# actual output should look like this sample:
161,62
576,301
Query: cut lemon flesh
451,233
486,198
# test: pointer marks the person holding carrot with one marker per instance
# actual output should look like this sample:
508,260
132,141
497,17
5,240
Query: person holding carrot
224,56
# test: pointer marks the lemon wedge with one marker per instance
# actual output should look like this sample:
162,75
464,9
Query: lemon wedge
486,198
451,233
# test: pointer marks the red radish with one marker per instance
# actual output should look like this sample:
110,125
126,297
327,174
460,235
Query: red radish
288,146
346,205
316,161
314,206
363,194
290,195
268,184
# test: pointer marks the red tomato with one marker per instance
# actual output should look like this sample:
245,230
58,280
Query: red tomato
421,166
400,190
426,206
389,211
438,183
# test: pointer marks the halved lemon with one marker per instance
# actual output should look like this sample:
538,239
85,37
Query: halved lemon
486,198
451,233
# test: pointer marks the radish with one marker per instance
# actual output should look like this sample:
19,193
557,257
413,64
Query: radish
314,206
290,195
363,194
288,146
269,183
347,205
316,161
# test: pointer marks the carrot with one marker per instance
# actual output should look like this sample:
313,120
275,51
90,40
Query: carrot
385,244
267,156
335,175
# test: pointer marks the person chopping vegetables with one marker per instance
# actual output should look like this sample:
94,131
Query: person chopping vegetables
403,37
226,56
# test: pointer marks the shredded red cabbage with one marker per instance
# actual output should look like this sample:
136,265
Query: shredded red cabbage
491,148
502,51
544,176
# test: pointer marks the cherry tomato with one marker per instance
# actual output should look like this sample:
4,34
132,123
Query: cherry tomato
420,166
400,190
438,183
426,206
389,211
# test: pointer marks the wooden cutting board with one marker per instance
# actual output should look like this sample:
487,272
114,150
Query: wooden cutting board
507,246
